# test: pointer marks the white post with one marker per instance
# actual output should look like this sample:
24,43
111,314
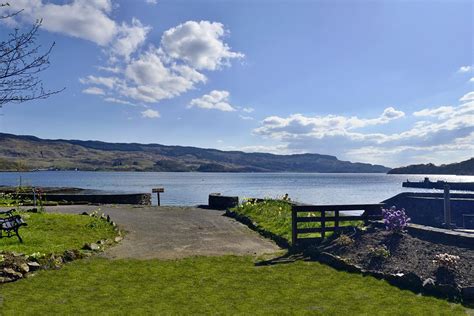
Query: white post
447,207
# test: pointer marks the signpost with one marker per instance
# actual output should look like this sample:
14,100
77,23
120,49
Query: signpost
158,191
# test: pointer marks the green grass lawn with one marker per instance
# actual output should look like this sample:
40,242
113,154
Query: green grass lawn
55,233
275,217
210,285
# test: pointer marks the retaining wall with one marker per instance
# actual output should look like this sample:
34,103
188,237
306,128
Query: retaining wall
428,208
134,198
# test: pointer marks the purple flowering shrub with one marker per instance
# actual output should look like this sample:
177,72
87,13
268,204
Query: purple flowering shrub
395,220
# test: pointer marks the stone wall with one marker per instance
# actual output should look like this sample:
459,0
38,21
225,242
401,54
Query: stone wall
428,208
134,198
221,202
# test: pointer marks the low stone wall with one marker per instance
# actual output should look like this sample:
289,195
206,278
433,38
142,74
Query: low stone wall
133,198
222,202
428,208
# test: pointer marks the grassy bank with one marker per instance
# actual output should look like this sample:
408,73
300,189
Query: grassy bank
210,285
274,216
55,233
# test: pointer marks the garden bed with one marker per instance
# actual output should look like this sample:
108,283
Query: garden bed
403,260
405,253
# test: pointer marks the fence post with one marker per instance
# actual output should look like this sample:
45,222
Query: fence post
447,207
294,227
323,224
336,222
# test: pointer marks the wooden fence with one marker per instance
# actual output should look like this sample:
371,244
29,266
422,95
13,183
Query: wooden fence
329,214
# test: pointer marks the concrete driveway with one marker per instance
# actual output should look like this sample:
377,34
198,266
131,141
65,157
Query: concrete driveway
170,232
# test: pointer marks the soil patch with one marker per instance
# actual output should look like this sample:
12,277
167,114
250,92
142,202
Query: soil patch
378,250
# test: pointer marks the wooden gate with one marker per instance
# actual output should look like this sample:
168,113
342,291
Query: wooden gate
330,218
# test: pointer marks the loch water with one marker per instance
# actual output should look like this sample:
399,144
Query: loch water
192,188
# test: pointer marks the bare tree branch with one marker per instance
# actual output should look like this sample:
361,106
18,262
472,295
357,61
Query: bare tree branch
20,64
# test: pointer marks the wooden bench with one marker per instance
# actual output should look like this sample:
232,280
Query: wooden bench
9,226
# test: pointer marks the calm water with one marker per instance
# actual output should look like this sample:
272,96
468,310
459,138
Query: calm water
194,188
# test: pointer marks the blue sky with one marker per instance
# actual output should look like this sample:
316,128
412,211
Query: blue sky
387,82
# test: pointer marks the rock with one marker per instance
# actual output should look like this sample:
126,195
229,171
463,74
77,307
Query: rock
69,255
408,280
429,284
24,268
12,273
91,246
5,279
85,213
118,239
33,266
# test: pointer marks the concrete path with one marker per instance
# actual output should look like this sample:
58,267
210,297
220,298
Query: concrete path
176,232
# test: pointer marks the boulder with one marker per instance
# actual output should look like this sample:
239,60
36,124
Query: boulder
33,266
91,246
24,268
5,279
12,273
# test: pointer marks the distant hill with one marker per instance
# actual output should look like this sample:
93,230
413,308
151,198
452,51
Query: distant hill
32,153
460,168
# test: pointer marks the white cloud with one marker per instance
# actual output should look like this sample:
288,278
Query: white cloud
471,80
440,112
149,113
248,110
321,126
114,70
447,128
93,90
109,82
149,79
151,1
129,38
464,69
153,74
86,19
135,74
217,100
199,44
119,101
467,97
246,118
273,149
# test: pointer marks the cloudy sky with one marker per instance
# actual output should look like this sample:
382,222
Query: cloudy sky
388,82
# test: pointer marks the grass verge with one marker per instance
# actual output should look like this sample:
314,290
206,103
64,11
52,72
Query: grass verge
210,285
55,233
274,217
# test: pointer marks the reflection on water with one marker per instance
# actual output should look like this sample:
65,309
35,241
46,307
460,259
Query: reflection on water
194,188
